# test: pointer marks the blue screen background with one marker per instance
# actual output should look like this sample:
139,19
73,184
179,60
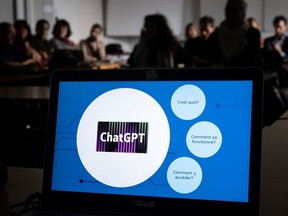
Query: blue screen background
225,175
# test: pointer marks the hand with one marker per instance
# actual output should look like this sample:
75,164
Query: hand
28,62
278,48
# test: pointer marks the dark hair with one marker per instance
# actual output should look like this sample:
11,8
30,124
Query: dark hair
278,19
96,25
188,26
58,25
251,19
206,20
39,25
240,4
19,25
4,27
165,36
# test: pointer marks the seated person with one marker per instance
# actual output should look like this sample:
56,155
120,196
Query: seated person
191,31
234,43
40,42
65,52
275,48
198,47
61,33
158,47
10,56
93,47
23,41
254,23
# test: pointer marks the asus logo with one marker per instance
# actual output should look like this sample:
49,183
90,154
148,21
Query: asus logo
142,203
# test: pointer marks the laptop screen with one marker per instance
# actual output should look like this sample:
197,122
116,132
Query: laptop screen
169,139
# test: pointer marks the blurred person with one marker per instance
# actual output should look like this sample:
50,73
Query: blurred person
158,47
235,42
66,53
93,47
10,56
23,41
191,31
275,50
61,33
278,43
254,23
40,41
207,27
198,47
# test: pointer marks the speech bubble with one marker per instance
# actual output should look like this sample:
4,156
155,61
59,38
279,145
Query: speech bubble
204,139
188,102
184,175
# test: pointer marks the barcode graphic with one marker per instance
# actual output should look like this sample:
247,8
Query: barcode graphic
125,137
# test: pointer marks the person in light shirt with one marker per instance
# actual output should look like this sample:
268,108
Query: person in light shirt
93,47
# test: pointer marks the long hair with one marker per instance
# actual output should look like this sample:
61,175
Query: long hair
57,28
39,26
164,37
19,26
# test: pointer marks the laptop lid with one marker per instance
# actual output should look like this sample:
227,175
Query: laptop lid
152,141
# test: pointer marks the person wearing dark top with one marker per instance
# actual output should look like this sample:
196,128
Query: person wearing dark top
234,43
198,47
23,41
40,42
191,31
10,56
158,47
276,47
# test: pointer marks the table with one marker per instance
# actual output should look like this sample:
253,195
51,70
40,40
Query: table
25,92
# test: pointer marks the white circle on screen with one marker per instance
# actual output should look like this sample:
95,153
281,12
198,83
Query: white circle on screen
188,102
184,175
204,139
123,167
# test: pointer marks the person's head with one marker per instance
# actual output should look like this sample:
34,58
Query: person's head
23,31
96,31
280,25
254,23
62,29
7,33
235,12
156,26
207,26
191,31
42,28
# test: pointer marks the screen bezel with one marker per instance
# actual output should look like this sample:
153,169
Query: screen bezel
151,205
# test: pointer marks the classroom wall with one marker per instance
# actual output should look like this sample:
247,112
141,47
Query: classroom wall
6,11
121,20
82,14
216,9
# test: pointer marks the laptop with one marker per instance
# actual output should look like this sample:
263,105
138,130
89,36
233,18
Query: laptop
154,142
